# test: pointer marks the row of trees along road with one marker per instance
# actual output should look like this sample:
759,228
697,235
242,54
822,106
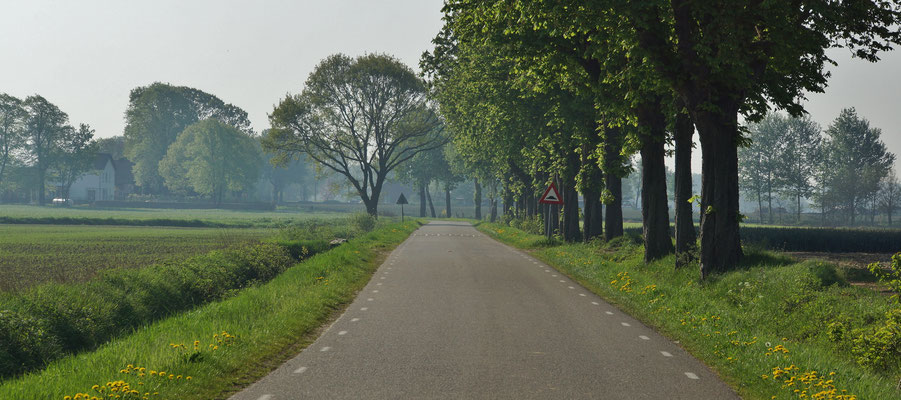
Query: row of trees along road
843,170
35,136
535,90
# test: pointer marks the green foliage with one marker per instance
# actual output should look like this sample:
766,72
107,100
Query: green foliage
533,225
879,348
890,277
363,222
360,117
158,113
209,158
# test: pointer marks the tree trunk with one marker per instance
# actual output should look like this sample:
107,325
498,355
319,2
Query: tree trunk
769,197
477,199
593,216
422,200
685,226
508,202
720,237
41,177
372,207
613,226
493,204
447,203
571,231
654,208
428,195
799,209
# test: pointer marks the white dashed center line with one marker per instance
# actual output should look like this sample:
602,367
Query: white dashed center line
342,333
643,337
582,294
326,348
300,370
562,281
571,287
691,375
595,303
625,324
554,275
265,397
364,308
608,312
375,291
355,320
378,284
666,354
370,299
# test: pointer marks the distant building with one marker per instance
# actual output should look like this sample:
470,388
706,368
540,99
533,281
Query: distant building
107,180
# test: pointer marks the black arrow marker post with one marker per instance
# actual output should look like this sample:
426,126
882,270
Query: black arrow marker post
401,200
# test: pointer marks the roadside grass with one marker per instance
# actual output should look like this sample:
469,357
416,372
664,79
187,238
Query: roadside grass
770,328
36,254
269,322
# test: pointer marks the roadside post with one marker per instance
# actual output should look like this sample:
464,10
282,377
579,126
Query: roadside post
401,200
550,197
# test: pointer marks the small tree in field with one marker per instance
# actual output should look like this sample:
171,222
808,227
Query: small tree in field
210,157
360,117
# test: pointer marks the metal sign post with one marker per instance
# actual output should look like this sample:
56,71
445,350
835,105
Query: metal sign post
401,200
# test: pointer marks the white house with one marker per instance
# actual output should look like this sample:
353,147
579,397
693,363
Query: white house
97,184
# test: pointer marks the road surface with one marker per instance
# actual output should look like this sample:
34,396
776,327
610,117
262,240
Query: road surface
453,314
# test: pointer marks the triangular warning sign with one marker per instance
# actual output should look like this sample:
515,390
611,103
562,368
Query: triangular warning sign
551,196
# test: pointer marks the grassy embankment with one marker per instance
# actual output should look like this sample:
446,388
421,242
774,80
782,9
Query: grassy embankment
773,329
265,324
36,254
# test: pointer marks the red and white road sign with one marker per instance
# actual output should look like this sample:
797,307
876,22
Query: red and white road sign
551,195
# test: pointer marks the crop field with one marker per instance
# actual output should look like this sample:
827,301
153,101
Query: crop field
155,216
34,254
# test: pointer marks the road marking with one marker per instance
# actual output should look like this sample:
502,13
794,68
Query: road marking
554,275
582,294
355,320
382,277
300,370
547,270
562,281
342,333
608,312
375,291
625,324
595,303
370,299
534,262
326,348
265,397
643,337
666,354
571,287
364,308
378,284
691,375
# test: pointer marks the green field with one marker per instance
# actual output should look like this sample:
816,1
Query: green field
34,254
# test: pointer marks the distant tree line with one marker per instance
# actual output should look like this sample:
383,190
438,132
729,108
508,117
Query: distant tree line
845,172
40,151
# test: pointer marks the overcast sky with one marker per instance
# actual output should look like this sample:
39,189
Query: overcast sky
85,56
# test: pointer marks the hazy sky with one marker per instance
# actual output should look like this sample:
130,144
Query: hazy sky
85,56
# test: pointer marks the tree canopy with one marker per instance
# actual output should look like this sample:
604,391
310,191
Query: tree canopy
360,117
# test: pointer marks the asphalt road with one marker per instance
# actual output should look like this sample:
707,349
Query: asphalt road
453,314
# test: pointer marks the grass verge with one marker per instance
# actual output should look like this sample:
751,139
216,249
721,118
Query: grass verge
774,329
263,323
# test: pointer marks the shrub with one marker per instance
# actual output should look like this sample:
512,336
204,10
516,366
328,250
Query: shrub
48,321
890,277
880,348
362,222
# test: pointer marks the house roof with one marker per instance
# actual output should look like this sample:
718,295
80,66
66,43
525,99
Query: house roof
123,172
101,159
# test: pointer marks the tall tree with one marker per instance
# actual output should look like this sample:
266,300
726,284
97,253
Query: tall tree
361,117
683,130
759,161
157,114
890,195
113,145
797,158
45,128
12,129
76,154
860,160
210,157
